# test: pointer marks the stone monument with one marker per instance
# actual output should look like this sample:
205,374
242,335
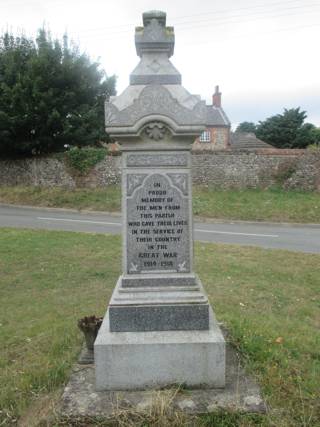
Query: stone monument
159,328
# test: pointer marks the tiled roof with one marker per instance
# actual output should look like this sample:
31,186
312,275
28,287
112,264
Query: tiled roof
247,141
216,116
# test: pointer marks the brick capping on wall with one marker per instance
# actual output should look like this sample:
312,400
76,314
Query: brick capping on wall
293,169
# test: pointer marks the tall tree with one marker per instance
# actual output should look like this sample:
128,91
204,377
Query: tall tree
247,127
315,133
50,95
287,130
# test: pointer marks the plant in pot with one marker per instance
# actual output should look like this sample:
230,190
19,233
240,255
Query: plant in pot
90,326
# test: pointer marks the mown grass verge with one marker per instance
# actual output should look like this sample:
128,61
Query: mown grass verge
250,205
273,204
100,199
269,300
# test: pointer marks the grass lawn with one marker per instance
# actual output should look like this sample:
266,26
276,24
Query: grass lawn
268,299
249,205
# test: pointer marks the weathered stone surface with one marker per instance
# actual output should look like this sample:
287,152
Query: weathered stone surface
142,318
154,36
157,220
158,280
45,171
51,172
158,308
155,93
224,169
131,361
141,343
86,356
155,78
160,101
227,169
305,173
241,393
157,159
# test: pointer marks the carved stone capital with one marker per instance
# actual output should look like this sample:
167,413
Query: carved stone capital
155,131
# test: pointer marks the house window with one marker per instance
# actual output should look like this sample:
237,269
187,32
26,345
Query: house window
205,136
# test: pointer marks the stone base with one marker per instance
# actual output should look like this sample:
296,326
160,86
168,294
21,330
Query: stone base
81,401
140,360
159,308
155,280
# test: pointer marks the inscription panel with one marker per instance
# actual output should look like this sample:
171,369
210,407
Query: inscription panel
149,160
158,228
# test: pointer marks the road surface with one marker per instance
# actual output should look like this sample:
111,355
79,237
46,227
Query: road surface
302,238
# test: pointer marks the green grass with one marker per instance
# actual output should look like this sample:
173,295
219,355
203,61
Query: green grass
50,279
249,205
257,205
270,301
100,199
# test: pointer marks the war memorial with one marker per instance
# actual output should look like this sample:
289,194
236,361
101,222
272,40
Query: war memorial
159,329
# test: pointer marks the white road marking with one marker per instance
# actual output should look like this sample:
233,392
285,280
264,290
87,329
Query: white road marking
118,224
235,233
78,220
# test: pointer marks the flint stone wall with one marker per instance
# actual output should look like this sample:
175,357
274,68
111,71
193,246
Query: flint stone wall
51,172
293,169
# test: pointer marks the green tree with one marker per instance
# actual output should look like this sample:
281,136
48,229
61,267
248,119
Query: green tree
287,130
50,95
247,127
315,134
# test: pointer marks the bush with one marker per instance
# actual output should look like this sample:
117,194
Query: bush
50,95
315,148
82,160
285,171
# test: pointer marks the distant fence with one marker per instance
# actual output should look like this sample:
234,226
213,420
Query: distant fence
292,169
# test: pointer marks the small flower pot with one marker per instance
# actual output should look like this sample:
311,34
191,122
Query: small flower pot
90,326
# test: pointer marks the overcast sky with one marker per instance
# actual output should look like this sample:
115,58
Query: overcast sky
263,54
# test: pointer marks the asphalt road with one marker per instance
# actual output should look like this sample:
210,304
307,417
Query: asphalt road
302,238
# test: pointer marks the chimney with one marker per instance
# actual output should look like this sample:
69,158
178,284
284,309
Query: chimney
216,98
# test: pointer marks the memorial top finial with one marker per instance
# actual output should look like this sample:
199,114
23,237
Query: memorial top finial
154,36
154,14
155,108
